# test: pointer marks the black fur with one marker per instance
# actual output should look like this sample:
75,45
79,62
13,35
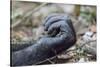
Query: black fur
63,36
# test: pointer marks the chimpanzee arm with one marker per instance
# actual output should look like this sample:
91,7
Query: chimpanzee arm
47,46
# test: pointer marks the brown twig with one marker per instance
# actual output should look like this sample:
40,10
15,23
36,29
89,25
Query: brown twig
67,51
50,61
27,15
46,60
87,43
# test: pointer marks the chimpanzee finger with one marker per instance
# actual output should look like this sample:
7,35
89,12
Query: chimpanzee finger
51,21
48,17
53,29
54,19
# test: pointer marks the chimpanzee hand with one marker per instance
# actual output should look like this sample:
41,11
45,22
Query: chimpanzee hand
60,31
61,36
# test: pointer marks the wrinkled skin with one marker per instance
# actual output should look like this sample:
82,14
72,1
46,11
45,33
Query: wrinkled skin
60,37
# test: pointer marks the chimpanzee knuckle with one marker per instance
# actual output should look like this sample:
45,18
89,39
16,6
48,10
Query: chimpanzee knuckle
50,16
46,28
53,20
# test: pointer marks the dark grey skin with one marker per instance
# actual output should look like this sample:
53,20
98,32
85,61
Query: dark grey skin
61,36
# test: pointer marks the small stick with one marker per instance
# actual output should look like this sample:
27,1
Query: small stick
27,15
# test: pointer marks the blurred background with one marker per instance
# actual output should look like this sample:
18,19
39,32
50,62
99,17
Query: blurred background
26,25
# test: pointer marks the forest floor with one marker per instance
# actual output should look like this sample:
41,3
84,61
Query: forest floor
26,23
